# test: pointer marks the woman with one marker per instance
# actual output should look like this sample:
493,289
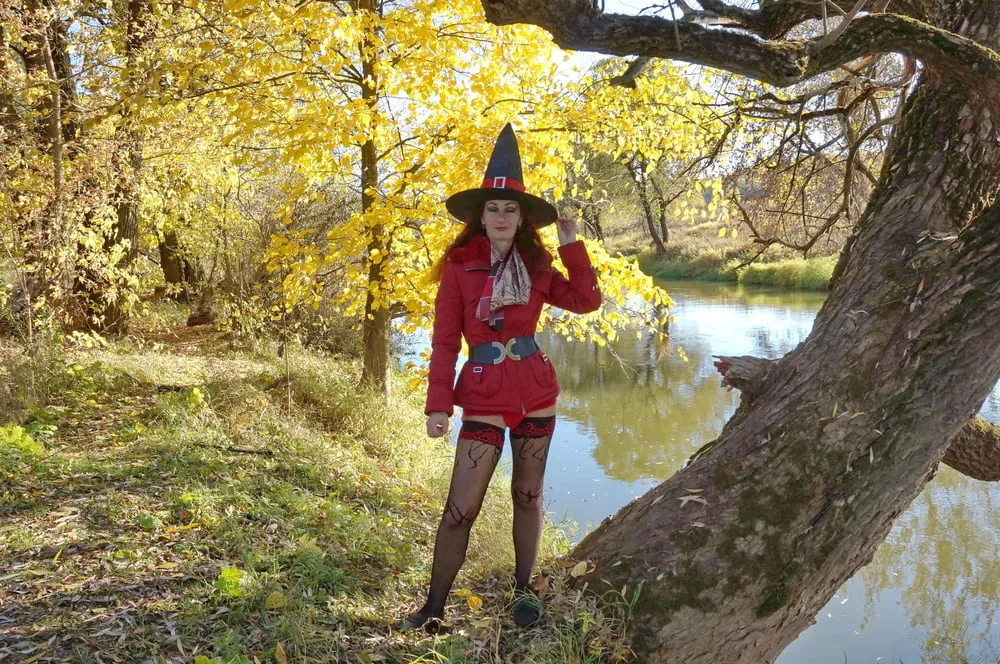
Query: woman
494,279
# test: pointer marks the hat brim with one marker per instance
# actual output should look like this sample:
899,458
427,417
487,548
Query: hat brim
465,204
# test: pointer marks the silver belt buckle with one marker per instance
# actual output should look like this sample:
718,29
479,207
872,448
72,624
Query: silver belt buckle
509,349
500,349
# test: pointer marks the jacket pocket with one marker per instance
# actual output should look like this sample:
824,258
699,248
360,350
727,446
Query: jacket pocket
545,373
479,381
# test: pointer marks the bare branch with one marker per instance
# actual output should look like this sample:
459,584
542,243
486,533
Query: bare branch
840,29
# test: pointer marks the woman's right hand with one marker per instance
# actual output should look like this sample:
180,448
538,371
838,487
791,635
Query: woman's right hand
437,424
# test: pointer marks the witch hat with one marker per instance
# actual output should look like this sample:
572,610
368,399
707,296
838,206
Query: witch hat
505,182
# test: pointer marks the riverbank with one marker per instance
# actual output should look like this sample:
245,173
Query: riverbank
176,496
790,273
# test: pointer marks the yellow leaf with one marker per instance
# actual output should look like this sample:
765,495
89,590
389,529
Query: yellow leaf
579,569
475,602
275,601
279,654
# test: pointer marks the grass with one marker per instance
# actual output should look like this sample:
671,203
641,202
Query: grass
171,507
792,273
789,273
697,253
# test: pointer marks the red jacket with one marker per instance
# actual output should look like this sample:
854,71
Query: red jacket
513,386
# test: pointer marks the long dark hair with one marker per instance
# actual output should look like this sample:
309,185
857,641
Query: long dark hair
527,239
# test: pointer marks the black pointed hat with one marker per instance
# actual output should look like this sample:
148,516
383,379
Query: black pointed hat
504,181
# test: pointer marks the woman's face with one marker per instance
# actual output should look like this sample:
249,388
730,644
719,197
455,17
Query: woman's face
501,220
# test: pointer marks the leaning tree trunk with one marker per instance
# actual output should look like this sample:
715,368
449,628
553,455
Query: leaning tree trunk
662,205
737,552
591,213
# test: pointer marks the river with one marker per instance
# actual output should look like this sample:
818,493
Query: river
932,592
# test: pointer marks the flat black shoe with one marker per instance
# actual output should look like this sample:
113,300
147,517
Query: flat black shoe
430,624
527,609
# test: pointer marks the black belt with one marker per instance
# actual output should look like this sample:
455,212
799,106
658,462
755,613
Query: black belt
495,352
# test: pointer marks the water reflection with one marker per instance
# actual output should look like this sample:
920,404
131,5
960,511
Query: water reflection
931,593
649,409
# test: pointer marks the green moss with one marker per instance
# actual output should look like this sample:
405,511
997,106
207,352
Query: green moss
682,589
722,477
763,503
772,560
692,540
777,599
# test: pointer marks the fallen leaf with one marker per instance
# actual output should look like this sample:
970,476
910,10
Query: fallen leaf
279,654
688,499
275,601
475,602
579,569
542,584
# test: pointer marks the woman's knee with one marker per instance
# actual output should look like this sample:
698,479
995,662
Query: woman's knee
526,494
460,513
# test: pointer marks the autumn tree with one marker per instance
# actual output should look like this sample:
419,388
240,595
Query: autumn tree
660,152
737,552
39,138
395,105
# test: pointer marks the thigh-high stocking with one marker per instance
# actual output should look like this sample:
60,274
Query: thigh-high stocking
476,456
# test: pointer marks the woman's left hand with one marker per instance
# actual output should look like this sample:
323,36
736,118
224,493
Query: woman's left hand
566,229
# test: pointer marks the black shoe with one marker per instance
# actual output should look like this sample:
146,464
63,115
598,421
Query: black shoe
430,623
527,609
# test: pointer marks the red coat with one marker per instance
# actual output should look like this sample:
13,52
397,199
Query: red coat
513,386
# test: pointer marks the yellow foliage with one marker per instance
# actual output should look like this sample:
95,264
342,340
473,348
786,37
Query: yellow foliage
308,98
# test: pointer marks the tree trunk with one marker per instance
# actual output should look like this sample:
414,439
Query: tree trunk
591,213
376,324
738,551
125,236
178,272
53,127
662,204
638,171
375,327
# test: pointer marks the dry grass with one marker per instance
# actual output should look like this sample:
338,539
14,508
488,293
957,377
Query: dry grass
180,511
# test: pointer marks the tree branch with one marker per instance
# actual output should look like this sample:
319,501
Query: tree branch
974,452
577,25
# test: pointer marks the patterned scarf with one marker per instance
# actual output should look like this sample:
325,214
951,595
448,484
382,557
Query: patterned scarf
507,284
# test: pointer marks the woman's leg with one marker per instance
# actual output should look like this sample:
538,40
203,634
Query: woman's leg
476,456
530,446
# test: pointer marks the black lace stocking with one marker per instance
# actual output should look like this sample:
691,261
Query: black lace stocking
475,461
530,446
